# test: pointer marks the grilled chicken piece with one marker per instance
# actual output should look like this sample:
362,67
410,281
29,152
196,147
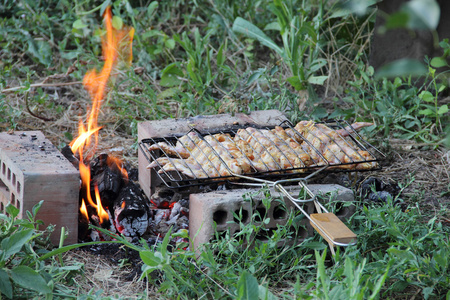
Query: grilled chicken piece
209,158
185,166
182,148
332,144
296,147
276,150
241,152
261,161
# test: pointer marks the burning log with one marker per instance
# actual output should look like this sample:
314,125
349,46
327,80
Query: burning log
109,176
131,211
68,153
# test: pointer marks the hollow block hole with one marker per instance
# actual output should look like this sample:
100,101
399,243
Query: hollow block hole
261,213
220,216
279,213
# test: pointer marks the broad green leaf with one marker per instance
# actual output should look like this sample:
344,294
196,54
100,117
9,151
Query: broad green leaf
117,22
401,67
170,43
317,79
427,112
129,8
438,62
426,96
443,109
255,76
265,294
317,64
245,27
427,292
296,83
151,8
36,207
78,24
169,80
319,113
379,284
5,284
4,218
168,93
247,287
427,11
149,258
273,26
397,20
165,242
41,50
169,75
30,279
12,210
12,244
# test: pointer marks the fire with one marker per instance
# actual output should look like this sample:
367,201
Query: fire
116,47
111,160
83,210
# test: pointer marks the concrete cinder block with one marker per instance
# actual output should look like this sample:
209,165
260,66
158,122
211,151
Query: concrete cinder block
170,127
218,207
32,169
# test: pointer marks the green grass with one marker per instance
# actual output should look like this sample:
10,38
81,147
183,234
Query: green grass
209,57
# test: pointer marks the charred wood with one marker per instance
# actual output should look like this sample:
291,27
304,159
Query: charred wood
131,211
68,154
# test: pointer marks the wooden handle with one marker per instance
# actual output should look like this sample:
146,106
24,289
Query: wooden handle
334,227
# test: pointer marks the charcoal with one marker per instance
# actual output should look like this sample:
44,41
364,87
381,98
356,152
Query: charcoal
67,152
132,211
83,228
107,176
376,190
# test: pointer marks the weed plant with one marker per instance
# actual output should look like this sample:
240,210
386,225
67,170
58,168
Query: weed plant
24,273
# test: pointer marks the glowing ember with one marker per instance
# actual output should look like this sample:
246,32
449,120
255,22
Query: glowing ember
116,47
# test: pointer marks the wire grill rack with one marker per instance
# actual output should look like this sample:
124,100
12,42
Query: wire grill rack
269,153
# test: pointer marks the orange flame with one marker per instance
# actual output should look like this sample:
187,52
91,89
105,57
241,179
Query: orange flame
111,160
116,47
83,210
85,174
116,44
